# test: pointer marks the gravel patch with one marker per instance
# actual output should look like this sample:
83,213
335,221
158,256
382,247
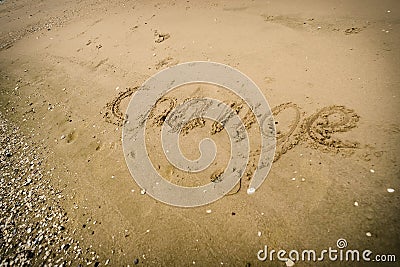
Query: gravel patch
33,225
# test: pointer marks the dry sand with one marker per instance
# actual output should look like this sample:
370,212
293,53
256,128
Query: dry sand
65,70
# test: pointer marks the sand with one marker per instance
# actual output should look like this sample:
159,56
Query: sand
329,70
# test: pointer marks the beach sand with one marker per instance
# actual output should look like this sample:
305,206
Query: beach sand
68,70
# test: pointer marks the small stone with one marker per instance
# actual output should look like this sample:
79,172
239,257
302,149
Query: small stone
303,179
289,263
143,191
28,181
372,171
294,179
208,211
390,190
251,190
136,261
368,234
259,233
355,203
62,137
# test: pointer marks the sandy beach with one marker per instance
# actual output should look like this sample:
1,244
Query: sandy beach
330,71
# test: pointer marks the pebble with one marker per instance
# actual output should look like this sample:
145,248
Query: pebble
368,234
259,233
390,190
208,211
289,263
372,171
143,191
356,203
251,191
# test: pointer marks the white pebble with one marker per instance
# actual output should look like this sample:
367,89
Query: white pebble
143,191
356,203
251,190
368,234
289,263
390,190
259,233
372,171
208,211
294,179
